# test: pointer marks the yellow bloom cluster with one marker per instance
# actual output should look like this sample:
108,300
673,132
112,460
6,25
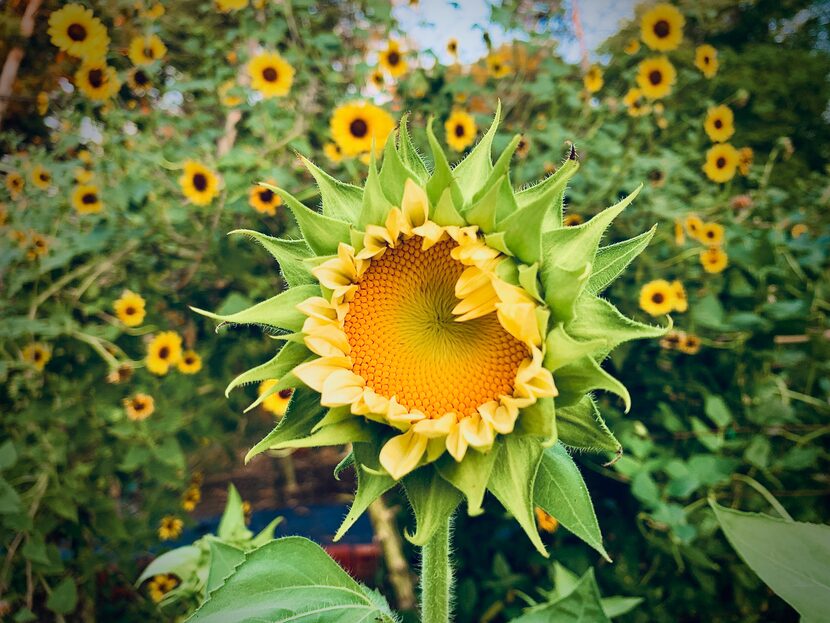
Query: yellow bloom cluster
713,258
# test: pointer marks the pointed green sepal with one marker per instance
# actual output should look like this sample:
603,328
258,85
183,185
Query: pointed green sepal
581,426
528,280
500,169
561,349
610,261
445,214
547,195
372,482
375,203
288,253
470,476
580,377
410,156
482,212
289,357
279,311
442,177
394,173
340,200
433,500
472,172
539,420
564,287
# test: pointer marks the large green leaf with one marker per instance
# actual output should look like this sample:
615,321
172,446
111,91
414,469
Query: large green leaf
288,253
279,311
322,233
303,412
582,605
290,579
791,557
610,261
290,356
562,493
581,426
433,500
224,559
597,319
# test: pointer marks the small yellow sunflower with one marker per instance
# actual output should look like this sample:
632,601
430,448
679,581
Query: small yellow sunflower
139,80
189,363
228,6
37,354
270,74
42,103
38,246
146,50
354,126
694,226
592,80
655,77
461,129
689,344
523,148
154,12
497,66
170,528
377,79
672,340
746,156
75,30
41,177
719,124
191,498
546,522
276,403
572,220
86,199
83,176
711,234
392,60
198,183
164,350
225,96
661,28
681,302
130,308
97,80
798,230
160,585
452,47
15,184
657,297
721,162
635,103
714,260
706,60
632,46
139,407
333,152
264,200
679,234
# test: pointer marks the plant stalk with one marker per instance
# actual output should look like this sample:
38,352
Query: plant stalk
436,577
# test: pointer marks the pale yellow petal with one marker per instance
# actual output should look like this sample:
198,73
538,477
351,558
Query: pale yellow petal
328,340
438,427
456,443
431,232
532,380
314,373
401,454
477,431
500,417
341,387
414,205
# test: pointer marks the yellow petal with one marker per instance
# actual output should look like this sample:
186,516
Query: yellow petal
472,279
327,340
480,303
371,403
318,307
477,431
433,428
375,242
314,373
500,417
401,454
532,380
431,232
456,443
519,320
341,387
414,205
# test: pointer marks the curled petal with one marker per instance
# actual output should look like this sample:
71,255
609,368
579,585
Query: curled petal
371,403
314,373
477,431
401,454
318,307
501,417
456,442
326,340
431,232
479,303
341,387
532,380
414,205
437,427
519,320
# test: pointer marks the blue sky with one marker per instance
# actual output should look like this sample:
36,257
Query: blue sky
433,22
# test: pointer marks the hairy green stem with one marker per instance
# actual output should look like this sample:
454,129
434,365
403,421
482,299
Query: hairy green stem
436,577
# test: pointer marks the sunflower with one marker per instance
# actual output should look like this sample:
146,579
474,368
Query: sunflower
572,220
355,126
160,585
452,47
38,246
377,79
798,230
41,177
191,498
689,344
42,103
198,183
333,152
714,260
694,226
706,60
164,350
264,200
121,374
130,309
139,80
657,297
36,354
82,176
190,362
655,77
170,528
139,407
719,124
97,80
154,12
661,28
270,74
721,162
711,234
681,302
461,130
225,96
635,102
632,46
672,339
75,30
497,65
15,184
546,522
276,403
86,199
146,50
227,6
523,147
435,311
592,80
392,60
745,158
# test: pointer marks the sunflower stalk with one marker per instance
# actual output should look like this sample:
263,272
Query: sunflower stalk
437,577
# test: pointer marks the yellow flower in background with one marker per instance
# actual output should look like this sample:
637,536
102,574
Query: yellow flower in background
276,403
497,65
42,103
38,246
333,152
706,60
745,158
86,199
264,200
681,302
392,60
270,74
672,340
83,176
160,585
657,297
189,363
798,230
155,11
130,309
227,6
721,162
377,78
36,354
546,522
85,157
719,124
170,528
139,407
635,102
714,260
460,129
97,80
164,350
655,77
694,226
711,234
225,96
452,47
41,177
592,80
75,30
191,498
138,80
198,183
661,28
15,184
572,220
632,46
523,148
354,126
689,344
146,50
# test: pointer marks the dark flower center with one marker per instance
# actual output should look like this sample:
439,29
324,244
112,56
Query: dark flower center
89,198
189,360
76,32
710,234
393,58
286,393
359,128
37,355
266,195
673,339
655,175
658,297
662,29
270,74
148,53
655,77
459,130
200,182
721,162
141,78
44,177
164,352
96,77
706,60
452,47
718,124
129,311
496,67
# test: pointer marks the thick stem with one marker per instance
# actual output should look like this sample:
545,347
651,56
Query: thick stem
436,577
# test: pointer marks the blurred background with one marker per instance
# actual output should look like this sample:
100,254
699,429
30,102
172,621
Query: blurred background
131,147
